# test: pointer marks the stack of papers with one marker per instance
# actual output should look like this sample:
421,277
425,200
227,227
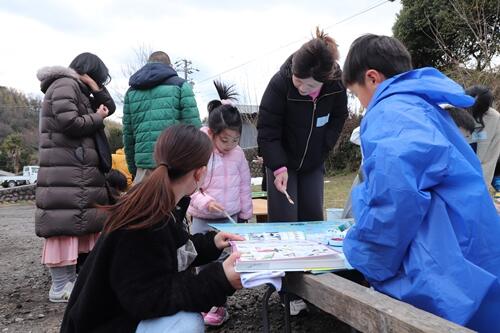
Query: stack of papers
286,255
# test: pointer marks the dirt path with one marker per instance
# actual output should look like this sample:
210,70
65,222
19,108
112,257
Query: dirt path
24,282
24,285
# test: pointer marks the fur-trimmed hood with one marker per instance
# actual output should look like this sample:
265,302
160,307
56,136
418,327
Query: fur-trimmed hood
49,74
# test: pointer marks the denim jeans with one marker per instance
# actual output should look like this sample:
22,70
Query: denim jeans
200,226
181,322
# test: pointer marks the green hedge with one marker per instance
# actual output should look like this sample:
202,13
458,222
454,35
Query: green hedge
346,156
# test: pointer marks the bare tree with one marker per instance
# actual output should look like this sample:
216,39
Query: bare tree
141,55
480,34
477,61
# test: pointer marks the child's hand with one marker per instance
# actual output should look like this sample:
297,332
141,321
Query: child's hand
214,206
232,276
281,181
222,239
259,160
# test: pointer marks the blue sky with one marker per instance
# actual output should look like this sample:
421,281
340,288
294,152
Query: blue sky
215,35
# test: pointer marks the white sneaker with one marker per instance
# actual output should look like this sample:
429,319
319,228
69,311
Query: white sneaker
61,296
296,306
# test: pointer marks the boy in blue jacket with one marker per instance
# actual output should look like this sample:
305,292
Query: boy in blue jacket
426,230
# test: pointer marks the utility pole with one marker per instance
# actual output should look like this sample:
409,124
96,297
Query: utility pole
186,66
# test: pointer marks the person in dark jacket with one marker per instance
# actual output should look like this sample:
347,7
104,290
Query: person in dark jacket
70,182
138,278
157,98
301,115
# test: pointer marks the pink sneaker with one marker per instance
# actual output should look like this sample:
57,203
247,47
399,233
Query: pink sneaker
216,316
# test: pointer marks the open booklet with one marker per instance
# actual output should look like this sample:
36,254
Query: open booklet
286,255
329,233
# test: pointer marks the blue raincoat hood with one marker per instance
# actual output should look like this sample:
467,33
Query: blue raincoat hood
427,83
426,229
151,75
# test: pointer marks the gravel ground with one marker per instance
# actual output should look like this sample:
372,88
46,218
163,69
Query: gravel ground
24,285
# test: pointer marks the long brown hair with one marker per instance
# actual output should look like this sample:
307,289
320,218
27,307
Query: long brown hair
178,150
317,59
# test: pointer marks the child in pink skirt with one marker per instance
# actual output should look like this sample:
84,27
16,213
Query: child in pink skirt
71,179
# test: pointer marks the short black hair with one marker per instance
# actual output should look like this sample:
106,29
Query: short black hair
382,53
462,118
93,66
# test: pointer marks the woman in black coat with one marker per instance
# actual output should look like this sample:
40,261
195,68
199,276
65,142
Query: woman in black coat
301,115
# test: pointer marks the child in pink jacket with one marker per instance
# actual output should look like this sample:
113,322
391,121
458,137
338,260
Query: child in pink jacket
226,187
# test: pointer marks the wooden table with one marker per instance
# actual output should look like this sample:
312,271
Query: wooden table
363,308
260,209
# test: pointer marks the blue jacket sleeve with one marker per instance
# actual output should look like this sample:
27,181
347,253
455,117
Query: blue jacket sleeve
401,167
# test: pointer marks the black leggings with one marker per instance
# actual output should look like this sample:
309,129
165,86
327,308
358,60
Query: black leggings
305,189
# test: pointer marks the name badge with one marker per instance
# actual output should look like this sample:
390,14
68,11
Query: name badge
321,121
479,136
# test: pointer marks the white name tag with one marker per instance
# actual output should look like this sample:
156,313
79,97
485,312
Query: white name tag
321,121
479,136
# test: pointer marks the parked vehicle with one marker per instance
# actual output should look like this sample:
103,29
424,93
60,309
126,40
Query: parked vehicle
29,176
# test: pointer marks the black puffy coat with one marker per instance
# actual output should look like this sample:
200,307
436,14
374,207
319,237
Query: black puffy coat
295,131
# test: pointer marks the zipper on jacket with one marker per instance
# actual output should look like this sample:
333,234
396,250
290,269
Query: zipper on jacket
309,136
312,122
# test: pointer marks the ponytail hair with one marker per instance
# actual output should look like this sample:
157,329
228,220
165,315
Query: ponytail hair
318,58
223,114
178,150
461,117
484,100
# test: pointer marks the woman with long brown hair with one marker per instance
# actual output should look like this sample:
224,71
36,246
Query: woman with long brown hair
138,277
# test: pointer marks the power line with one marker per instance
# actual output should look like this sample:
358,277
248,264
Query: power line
359,13
294,42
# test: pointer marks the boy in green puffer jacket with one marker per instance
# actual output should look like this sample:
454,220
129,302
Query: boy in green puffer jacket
157,98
